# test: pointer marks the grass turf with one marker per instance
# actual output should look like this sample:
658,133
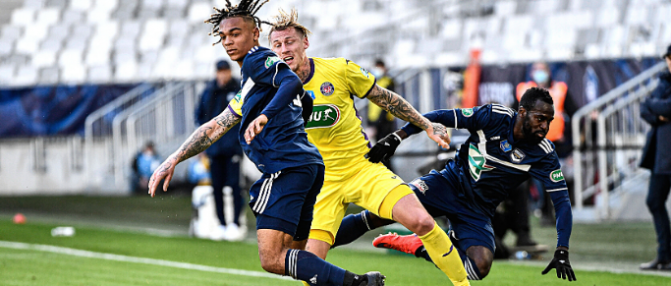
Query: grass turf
30,267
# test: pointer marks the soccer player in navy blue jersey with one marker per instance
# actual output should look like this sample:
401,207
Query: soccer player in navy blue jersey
272,134
504,149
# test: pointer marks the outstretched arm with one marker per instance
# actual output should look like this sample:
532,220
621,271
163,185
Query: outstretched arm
202,138
399,107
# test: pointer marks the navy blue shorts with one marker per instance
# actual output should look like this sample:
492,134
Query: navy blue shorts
284,201
440,198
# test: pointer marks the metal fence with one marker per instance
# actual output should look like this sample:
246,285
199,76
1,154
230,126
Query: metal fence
608,135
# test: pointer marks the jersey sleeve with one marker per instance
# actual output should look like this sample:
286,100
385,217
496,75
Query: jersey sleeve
263,67
549,173
460,118
235,105
359,80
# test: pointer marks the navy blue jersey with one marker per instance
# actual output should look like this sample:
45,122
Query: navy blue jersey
490,163
283,143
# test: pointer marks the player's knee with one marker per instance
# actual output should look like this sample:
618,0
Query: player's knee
484,266
272,265
422,224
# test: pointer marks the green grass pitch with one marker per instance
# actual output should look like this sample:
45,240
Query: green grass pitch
34,267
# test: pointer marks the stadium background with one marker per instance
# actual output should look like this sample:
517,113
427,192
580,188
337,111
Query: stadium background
84,84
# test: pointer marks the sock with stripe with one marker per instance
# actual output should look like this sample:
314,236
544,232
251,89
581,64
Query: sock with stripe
305,266
471,269
351,228
444,255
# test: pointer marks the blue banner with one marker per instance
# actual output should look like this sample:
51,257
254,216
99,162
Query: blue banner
52,110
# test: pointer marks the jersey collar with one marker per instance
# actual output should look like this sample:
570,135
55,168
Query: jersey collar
312,71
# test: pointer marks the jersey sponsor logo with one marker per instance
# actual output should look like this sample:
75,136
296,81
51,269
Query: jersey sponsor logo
323,116
420,185
557,175
238,96
327,88
270,61
477,163
517,156
467,112
365,72
505,146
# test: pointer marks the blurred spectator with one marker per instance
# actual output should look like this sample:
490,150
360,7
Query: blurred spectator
224,154
656,110
380,121
199,171
564,107
144,164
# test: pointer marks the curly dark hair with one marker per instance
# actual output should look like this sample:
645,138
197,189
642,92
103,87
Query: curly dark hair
534,94
246,9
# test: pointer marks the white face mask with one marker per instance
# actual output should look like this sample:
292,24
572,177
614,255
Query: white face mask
377,72
540,76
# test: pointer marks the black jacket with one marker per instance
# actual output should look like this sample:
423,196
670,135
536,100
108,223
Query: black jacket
657,150
213,101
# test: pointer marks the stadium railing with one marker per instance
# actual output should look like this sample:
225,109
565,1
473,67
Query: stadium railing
608,137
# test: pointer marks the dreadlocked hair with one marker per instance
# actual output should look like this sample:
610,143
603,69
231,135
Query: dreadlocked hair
285,20
246,9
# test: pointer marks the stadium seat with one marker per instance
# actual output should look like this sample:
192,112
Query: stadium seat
6,46
44,59
23,17
81,5
26,46
73,17
35,33
48,16
98,15
33,4
99,74
73,74
25,76
607,17
125,71
11,33
70,57
199,11
6,74
48,76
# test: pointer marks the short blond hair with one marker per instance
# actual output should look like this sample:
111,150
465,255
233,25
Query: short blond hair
284,20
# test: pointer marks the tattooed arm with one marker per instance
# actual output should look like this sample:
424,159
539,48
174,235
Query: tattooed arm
399,107
202,138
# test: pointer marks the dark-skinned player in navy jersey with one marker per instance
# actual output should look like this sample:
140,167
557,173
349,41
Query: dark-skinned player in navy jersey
504,149
272,134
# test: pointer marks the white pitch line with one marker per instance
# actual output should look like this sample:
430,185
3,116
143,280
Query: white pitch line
141,260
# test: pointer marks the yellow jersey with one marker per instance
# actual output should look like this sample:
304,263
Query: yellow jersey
334,126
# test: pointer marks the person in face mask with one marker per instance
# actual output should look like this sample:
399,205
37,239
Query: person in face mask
564,108
381,122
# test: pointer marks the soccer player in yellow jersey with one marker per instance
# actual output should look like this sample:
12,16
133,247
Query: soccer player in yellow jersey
335,129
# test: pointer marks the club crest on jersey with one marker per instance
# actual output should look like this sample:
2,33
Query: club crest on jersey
505,146
323,116
517,156
327,88
365,72
420,185
557,175
270,61
467,112
477,163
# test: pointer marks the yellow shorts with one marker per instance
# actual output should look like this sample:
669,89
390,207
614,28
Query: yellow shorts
366,184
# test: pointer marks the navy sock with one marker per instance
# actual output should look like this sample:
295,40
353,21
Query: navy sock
469,265
305,266
351,228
